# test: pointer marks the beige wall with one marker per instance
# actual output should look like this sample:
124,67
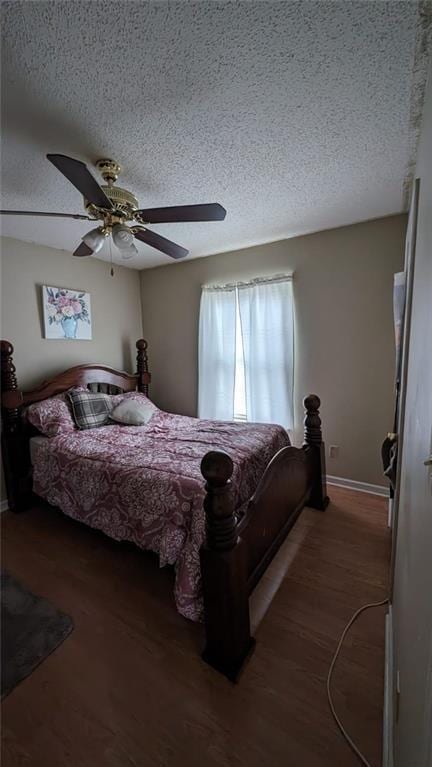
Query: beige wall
343,282
115,303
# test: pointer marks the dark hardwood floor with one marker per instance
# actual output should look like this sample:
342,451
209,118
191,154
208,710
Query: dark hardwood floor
128,688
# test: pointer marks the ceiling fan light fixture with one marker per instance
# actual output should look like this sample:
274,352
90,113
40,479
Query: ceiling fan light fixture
122,236
94,239
127,253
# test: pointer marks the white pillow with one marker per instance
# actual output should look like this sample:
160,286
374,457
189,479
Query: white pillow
133,412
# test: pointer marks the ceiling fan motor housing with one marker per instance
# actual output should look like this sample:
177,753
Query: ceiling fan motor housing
125,204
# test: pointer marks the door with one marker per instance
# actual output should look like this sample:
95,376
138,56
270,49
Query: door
412,578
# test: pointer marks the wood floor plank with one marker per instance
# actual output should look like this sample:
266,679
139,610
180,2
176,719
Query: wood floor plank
128,687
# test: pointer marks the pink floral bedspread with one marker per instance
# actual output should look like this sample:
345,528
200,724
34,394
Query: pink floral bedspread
143,484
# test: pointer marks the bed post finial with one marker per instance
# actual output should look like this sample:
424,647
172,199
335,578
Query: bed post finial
314,444
217,469
9,385
224,572
142,366
312,421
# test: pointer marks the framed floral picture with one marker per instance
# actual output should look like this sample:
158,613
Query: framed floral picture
67,313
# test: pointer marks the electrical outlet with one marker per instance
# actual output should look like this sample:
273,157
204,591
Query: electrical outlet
333,451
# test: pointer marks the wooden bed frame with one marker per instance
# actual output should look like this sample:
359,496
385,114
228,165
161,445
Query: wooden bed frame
237,551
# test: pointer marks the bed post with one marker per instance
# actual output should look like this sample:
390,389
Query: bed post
14,458
315,448
224,573
9,385
142,366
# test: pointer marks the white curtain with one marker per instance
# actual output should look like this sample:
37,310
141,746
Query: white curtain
265,348
266,314
217,340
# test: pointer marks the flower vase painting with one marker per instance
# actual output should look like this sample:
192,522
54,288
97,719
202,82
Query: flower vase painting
67,314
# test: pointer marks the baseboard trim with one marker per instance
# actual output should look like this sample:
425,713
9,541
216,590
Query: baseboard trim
388,693
362,487
3,506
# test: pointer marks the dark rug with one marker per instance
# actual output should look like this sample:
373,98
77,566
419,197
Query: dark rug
31,628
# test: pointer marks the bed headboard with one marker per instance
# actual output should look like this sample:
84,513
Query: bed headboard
15,435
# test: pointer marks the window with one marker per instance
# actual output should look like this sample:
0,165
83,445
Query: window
246,352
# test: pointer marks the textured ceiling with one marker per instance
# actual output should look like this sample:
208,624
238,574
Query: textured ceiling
294,115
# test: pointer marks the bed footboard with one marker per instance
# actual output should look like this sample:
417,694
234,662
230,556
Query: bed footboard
237,552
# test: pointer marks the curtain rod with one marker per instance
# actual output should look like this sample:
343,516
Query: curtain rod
248,283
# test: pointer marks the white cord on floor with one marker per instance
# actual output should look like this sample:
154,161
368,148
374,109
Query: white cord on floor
329,676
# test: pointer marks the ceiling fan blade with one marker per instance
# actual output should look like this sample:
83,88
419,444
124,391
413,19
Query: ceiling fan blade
83,250
210,212
160,243
79,175
40,213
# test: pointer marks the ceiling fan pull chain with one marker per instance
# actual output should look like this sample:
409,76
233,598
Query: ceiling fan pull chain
111,259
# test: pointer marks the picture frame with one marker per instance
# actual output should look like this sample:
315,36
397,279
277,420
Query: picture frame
66,314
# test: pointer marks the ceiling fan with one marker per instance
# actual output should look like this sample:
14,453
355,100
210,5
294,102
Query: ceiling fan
114,207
